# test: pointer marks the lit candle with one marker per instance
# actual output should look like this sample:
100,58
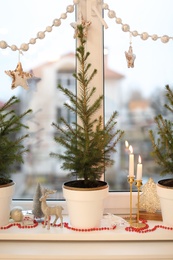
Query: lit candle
126,145
126,155
131,162
139,169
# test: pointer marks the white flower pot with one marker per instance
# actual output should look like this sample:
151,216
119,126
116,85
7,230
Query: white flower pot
85,207
6,193
166,201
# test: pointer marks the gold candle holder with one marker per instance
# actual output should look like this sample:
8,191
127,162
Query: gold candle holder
131,181
138,184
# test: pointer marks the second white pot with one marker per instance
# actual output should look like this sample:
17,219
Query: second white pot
166,201
85,207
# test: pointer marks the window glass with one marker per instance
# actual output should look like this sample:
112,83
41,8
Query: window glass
51,60
136,93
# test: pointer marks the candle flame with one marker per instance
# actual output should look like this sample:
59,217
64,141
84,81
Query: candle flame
139,159
131,149
126,144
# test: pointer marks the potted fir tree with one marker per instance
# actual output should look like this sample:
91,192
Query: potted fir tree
162,143
11,151
87,143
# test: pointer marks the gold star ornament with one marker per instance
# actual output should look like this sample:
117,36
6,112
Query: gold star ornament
19,77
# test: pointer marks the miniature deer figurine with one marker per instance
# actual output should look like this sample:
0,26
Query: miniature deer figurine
49,211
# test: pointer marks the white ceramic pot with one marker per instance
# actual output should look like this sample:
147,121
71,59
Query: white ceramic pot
6,193
166,201
85,207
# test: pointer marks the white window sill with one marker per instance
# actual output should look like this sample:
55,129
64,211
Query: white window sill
63,234
57,243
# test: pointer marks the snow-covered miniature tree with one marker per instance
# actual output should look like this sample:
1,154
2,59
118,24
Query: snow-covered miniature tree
149,200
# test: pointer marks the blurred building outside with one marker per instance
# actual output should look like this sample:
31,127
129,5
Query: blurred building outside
135,116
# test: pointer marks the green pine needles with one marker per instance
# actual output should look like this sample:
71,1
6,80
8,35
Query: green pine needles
162,142
11,142
87,143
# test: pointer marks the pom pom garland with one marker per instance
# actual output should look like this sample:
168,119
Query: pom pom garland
70,9
40,35
126,28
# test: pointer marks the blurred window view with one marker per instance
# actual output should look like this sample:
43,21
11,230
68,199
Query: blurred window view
52,62
136,93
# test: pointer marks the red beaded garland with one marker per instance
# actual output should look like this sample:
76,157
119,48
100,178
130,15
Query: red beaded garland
66,225
144,229
19,225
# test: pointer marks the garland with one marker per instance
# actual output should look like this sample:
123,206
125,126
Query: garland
126,28
65,224
142,230
146,228
69,9
41,34
20,225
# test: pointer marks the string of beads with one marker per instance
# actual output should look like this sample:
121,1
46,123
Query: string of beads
20,225
88,229
146,228
70,9
142,230
126,28
65,224
40,35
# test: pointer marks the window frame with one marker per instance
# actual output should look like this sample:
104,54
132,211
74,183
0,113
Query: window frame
117,202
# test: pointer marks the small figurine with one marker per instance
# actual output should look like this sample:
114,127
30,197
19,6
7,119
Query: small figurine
49,211
130,57
28,218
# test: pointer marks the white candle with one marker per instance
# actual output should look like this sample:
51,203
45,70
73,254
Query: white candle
131,162
139,169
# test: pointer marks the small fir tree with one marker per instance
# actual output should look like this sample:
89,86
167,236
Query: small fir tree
11,142
162,141
88,144
37,211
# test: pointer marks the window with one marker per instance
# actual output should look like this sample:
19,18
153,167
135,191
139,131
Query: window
136,93
66,79
47,58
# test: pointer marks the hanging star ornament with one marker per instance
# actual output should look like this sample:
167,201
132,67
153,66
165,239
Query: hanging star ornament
84,24
19,77
130,57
